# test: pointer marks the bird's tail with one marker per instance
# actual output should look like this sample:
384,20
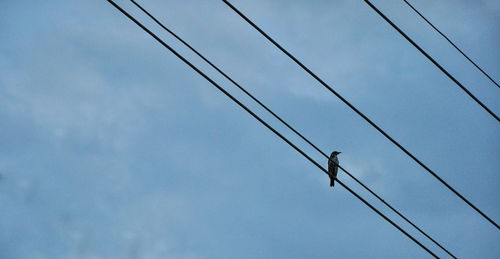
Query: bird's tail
332,182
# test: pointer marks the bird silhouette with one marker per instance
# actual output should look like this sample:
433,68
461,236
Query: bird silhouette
333,167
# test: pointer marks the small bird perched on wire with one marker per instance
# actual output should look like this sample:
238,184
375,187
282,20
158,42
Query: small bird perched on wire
333,167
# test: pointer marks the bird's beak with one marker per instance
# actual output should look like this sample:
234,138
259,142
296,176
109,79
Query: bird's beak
340,152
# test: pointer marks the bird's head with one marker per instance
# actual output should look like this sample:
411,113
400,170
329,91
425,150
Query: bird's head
334,153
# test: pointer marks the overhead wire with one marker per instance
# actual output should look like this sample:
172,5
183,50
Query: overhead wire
435,175
267,125
451,42
432,60
285,123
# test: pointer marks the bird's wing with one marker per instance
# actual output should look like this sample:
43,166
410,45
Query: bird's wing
336,167
331,166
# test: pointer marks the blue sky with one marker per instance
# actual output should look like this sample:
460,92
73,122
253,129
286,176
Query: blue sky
110,147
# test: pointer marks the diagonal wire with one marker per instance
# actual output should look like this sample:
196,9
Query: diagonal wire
287,125
432,60
267,125
452,44
362,115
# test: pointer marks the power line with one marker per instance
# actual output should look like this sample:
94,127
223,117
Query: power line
266,124
453,44
433,61
361,114
286,124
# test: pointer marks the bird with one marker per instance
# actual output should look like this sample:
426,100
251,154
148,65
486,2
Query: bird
333,167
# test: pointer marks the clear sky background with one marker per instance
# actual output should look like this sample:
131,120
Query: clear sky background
110,147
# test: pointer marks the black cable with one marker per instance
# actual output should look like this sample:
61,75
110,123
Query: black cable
286,124
433,61
453,44
361,114
266,125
